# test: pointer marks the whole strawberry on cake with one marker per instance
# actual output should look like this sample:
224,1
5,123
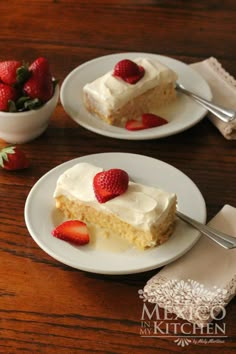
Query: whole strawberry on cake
132,88
24,87
142,215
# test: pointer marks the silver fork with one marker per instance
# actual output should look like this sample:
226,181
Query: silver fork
225,114
219,237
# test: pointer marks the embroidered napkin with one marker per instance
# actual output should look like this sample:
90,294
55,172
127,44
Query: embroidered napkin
223,87
197,286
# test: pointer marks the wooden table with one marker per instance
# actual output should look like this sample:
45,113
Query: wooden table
46,306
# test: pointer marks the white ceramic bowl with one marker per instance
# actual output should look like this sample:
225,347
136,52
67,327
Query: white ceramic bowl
21,127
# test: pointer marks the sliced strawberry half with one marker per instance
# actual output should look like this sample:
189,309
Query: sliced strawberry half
151,120
109,184
128,71
73,231
134,124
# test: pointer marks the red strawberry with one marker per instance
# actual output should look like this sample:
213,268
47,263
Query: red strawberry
128,71
40,84
7,94
73,231
150,120
8,71
134,124
12,158
109,184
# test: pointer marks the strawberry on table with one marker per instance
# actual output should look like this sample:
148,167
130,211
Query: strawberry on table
73,231
12,158
40,83
110,184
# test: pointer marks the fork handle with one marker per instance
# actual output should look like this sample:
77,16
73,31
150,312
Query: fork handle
219,237
224,114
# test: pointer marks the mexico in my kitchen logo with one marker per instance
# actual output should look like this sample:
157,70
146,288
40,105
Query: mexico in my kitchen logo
166,308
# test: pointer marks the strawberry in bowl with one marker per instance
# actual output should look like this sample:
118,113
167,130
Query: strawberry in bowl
28,97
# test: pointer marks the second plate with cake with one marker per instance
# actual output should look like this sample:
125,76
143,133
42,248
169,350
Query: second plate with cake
181,114
111,255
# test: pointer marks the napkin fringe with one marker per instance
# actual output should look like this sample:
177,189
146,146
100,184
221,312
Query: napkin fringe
216,66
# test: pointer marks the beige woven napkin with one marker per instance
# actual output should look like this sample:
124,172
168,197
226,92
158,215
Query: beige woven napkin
223,87
197,286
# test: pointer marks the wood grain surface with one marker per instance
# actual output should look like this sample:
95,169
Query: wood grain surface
46,306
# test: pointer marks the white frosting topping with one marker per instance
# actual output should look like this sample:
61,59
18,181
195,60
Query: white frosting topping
140,206
113,92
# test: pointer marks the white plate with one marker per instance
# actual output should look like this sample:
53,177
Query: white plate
41,217
182,114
